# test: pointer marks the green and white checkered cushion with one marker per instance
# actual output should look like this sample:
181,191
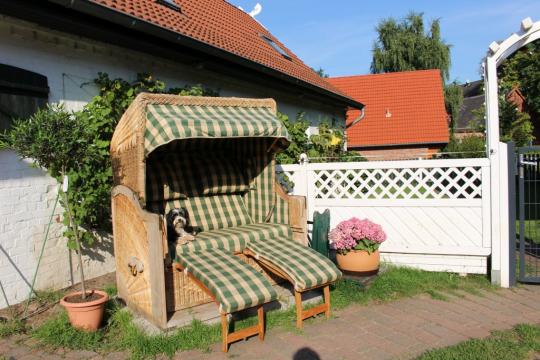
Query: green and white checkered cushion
166,123
192,175
219,175
234,239
260,167
235,284
213,211
306,267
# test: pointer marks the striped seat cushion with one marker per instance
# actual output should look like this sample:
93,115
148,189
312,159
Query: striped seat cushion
234,284
213,211
234,239
304,266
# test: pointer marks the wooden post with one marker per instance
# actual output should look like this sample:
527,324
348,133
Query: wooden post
326,291
260,315
299,315
224,332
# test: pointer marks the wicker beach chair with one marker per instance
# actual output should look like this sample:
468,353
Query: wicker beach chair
214,157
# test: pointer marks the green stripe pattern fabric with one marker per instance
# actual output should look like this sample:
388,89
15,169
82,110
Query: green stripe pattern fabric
213,211
306,267
260,199
234,240
281,212
191,175
235,284
166,123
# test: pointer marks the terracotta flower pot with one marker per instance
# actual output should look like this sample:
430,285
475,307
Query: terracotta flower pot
85,315
359,262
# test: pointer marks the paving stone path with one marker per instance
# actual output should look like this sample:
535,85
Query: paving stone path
400,329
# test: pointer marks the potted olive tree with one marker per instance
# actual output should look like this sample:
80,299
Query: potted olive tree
55,139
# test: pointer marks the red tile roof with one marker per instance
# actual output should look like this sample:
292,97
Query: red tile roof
222,25
401,108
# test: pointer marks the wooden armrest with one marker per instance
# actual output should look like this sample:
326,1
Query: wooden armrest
297,214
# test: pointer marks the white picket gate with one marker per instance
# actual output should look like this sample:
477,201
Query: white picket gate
436,213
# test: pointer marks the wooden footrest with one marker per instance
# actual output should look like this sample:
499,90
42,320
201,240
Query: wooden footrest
302,314
232,284
243,334
303,267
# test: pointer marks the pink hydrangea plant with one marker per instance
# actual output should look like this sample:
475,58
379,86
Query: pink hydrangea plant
356,234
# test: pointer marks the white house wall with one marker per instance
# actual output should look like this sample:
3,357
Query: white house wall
27,194
71,63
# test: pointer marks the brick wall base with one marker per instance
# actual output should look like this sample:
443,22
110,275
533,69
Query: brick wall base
397,153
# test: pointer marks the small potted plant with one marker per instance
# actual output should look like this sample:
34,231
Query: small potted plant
61,143
357,245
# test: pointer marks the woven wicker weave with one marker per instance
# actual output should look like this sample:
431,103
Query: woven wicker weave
182,292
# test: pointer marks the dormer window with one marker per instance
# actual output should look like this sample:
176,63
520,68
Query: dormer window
170,4
276,47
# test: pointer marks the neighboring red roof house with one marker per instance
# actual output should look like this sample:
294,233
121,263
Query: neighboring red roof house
405,116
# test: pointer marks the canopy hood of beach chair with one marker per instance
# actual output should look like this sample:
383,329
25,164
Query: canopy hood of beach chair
156,119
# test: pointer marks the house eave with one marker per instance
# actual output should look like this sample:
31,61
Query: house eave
27,10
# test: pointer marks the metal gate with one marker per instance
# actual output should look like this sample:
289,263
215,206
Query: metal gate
528,225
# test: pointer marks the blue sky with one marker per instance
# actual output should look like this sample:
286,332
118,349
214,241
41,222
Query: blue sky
338,35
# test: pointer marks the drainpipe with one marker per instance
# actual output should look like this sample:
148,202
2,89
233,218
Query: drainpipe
357,120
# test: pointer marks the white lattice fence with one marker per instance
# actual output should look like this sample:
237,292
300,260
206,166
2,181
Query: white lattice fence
435,212
404,183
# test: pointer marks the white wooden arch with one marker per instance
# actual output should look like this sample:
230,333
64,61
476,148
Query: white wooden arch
497,53
496,151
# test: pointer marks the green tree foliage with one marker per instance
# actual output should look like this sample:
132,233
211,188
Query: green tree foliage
453,100
405,45
299,139
326,146
469,147
522,70
321,72
514,125
65,143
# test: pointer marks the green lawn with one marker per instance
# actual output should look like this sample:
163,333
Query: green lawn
121,334
532,230
520,343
